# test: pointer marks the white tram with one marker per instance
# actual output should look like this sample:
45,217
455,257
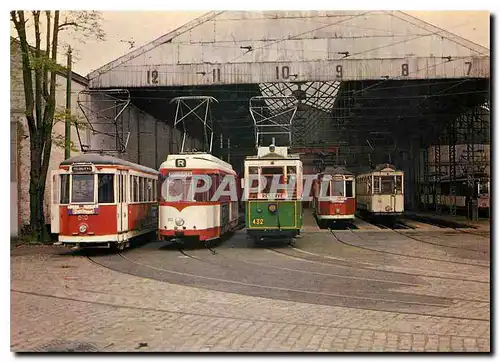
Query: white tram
187,207
380,192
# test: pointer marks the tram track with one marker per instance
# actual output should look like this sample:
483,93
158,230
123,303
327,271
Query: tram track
374,266
295,270
404,255
402,225
291,291
246,261
441,245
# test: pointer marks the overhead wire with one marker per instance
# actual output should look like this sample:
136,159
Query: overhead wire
352,55
327,97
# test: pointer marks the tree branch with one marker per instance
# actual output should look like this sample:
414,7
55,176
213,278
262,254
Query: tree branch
20,25
45,81
38,70
71,23
51,103
54,54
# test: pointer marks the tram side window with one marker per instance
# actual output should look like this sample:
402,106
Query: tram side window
348,189
141,189
150,189
376,185
105,189
64,189
292,183
253,180
125,188
120,188
135,189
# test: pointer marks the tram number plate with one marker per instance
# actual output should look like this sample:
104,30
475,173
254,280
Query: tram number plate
82,210
81,169
258,221
274,196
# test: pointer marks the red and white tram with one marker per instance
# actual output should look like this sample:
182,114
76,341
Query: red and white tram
334,196
102,201
206,214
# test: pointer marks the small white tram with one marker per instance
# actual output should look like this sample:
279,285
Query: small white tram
380,192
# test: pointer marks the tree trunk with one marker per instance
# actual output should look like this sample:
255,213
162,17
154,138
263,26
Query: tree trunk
35,153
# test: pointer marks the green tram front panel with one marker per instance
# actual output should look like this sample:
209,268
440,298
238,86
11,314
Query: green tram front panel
259,217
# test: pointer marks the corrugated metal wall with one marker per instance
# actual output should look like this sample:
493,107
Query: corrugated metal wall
310,43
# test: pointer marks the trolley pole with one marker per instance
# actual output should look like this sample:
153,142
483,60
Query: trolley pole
67,124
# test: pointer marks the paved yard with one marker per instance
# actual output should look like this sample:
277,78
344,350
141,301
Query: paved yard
61,301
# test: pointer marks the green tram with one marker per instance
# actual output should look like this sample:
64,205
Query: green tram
272,210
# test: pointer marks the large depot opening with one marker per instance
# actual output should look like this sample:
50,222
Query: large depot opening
370,88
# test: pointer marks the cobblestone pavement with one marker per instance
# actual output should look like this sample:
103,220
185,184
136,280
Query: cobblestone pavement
60,299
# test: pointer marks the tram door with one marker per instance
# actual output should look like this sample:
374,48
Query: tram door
122,206
54,201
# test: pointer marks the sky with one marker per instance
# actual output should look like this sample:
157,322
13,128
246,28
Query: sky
126,28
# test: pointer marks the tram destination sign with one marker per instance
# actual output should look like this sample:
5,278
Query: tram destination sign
82,169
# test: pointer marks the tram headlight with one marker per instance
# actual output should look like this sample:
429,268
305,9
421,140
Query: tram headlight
272,208
337,211
82,228
388,208
179,221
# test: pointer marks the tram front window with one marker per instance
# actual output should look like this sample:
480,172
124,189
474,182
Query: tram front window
269,173
337,188
178,189
82,188
349,192
386,184
105,189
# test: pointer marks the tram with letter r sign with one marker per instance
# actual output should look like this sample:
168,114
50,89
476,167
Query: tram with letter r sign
199,197
273,193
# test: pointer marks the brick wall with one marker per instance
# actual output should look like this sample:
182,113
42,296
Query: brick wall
20,191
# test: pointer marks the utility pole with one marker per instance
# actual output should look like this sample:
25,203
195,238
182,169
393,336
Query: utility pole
67,124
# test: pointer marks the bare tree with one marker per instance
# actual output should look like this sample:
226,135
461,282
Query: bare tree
39,70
